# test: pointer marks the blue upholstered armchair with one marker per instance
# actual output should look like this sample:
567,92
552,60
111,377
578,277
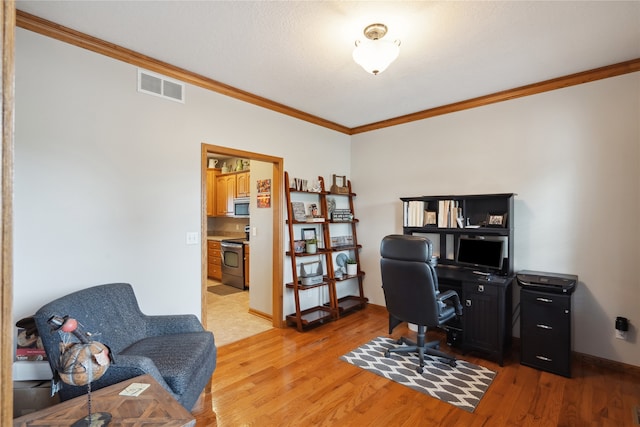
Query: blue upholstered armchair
174,349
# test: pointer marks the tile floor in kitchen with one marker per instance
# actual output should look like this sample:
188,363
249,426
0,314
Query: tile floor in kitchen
229,319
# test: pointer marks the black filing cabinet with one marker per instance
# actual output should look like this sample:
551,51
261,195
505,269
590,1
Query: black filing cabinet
545,331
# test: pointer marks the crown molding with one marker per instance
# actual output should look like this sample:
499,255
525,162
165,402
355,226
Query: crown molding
85,41
506,95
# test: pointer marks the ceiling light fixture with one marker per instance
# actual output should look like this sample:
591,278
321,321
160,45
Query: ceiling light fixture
373,54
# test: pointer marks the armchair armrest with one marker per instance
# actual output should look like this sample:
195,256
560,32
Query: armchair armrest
451,294
172,324
127,366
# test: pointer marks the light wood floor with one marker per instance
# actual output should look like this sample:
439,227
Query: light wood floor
229,319
285,378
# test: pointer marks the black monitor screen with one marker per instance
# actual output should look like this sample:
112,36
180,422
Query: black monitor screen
480,253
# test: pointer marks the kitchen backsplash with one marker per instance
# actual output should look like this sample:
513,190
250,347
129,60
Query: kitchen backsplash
220,226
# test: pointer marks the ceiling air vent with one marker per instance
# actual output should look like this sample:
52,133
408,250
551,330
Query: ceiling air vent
158,85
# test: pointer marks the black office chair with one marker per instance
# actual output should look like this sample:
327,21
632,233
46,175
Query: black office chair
410,285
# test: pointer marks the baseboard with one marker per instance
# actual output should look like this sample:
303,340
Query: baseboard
260,314
609,364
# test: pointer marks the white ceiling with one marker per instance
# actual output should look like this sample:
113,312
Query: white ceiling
299,53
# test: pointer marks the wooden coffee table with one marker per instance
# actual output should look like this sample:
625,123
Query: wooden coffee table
154,407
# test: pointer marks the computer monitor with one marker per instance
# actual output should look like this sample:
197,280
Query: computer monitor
480,253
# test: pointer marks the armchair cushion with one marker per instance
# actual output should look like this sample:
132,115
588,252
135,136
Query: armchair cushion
174,349
170,354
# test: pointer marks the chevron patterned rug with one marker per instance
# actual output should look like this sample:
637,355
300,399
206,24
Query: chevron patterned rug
462,386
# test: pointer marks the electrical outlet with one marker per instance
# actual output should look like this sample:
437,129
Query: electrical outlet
621,335
192,238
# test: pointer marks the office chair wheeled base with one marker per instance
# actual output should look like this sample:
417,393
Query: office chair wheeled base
430,348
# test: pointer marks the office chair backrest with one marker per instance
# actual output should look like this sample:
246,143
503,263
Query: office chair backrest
409,279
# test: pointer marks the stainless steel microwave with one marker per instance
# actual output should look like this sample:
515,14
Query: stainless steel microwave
241,207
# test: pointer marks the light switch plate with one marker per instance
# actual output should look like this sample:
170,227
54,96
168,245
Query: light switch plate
192,238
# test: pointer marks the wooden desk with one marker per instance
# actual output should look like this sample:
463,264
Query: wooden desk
154,407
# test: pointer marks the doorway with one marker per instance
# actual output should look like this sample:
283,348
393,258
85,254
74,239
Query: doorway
269,291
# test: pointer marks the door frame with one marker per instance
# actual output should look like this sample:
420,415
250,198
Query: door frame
7,39
277,225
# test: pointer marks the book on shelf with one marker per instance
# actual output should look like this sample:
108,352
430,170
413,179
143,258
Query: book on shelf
414,213
448,213
314,219
29,346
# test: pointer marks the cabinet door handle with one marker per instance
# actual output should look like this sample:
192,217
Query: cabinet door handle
468,303
541,326
544,300
546,359
480,288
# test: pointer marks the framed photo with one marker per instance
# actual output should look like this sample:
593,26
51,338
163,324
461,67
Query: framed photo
308,233
497,220
297,209
430,218
313,210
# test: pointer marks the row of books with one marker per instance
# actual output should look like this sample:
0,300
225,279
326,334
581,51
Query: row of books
448,215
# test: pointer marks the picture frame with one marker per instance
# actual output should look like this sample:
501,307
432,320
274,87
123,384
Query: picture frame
313,210
430,218
497,220
298,211
309,234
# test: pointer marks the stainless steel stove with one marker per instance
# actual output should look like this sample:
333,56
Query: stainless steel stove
232,255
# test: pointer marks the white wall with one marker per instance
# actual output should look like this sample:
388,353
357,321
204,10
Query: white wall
573,158
107,180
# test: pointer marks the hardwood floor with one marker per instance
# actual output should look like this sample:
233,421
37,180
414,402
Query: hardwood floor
285,378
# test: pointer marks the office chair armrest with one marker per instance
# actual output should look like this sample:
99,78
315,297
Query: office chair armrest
446,295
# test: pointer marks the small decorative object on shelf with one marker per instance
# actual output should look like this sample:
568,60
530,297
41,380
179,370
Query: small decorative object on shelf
331,206
340,241
312,246
341,215
299,246
299,184
310,273
339,185
497,220
352,267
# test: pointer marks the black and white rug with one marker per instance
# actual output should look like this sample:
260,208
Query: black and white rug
462,386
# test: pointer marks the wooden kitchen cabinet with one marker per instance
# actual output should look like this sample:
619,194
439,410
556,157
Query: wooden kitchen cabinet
211,191
214,261
223,188
225,193
246,265
242,185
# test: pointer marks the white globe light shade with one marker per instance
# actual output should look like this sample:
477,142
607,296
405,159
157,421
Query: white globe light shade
376,55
